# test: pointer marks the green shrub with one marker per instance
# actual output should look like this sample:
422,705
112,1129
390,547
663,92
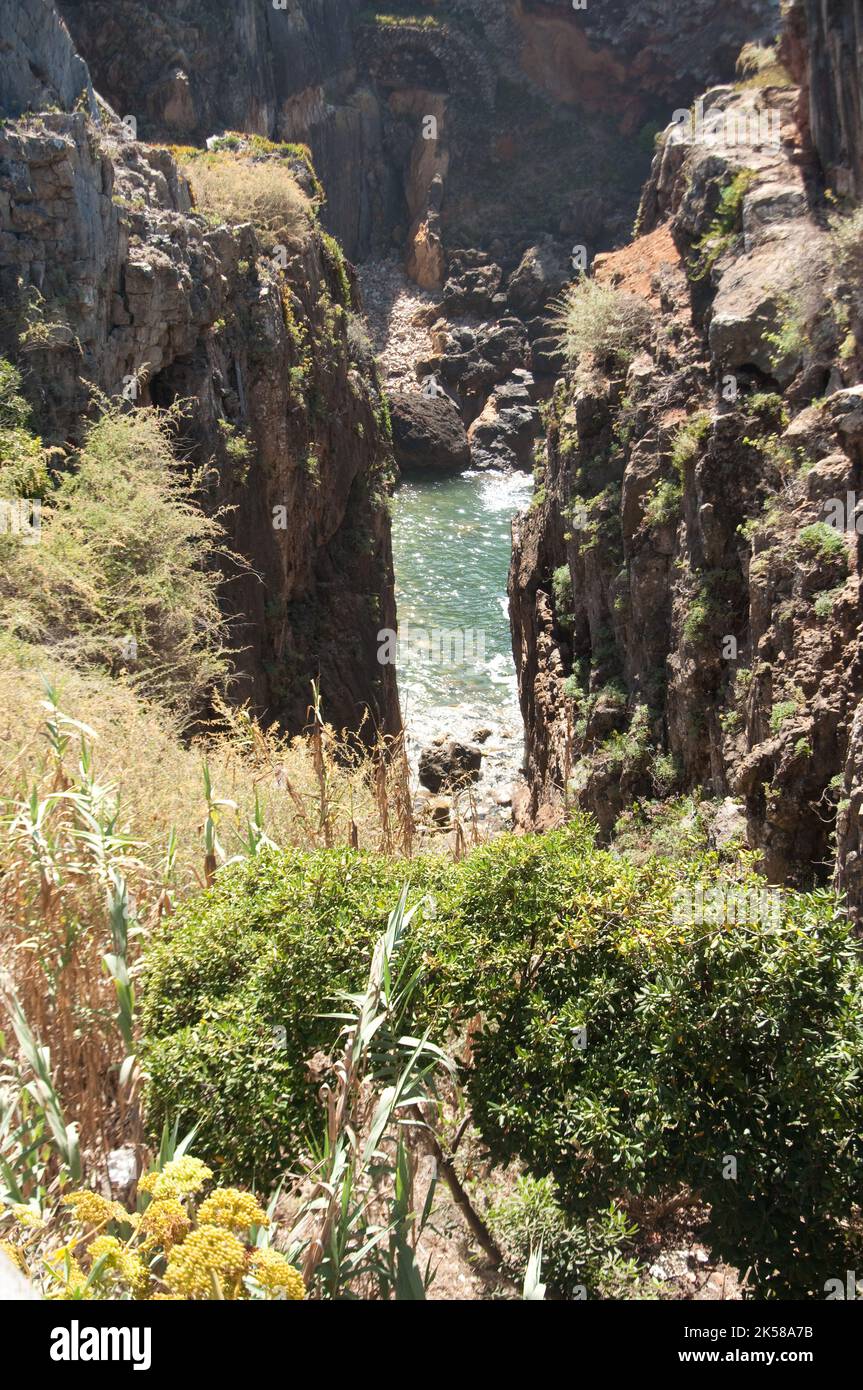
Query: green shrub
822,541
781,713
125,554
561,585
591,1258
23,469
596,318
235,188
336,258
726,225
702,1042
689,441
238,988
663,503
760,65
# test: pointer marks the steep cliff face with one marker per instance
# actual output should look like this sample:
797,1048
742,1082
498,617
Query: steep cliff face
685,590
111,282
534,103
188,69
827,37
39,66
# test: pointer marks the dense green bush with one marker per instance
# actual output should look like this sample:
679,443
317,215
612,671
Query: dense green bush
704,1042
237,990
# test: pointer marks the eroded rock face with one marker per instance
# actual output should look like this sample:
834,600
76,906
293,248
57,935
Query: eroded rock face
829,40
39,66
153,299
683,615
542,112
189,69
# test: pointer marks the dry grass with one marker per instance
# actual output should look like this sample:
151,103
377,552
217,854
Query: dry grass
234,188
126,574
107,819
362,800
595,318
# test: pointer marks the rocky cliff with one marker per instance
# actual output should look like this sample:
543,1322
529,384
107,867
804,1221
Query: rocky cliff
685,590
111,282
534,103
826,38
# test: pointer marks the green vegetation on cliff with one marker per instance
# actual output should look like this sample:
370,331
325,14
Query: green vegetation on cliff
615,1043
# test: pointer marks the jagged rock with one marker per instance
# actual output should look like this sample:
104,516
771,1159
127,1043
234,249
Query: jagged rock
697,575
428,434
543,271
39,67
547,357
138,284
829,42
426,260
472,289
504,434
474,361
749,306
449,763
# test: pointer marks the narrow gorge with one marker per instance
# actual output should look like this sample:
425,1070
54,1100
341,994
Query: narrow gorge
430,445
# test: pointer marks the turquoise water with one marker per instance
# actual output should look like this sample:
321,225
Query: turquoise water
452,542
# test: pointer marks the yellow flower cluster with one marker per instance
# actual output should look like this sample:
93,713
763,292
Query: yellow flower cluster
121,1261
275,1274
207,1255
65,1267
208,1264
91,1209
179,1178
164,1223
233,1209
15,1255
26,1216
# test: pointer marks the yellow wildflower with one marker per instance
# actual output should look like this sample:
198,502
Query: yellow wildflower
65,1267
208,1255
276,1274
179,1178
15,1255
91,1209
164,1223
233,1209
26,1216
121,1261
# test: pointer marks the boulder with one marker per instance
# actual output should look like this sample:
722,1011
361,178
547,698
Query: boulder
504,434
428,434
543,271
472,289
449,763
